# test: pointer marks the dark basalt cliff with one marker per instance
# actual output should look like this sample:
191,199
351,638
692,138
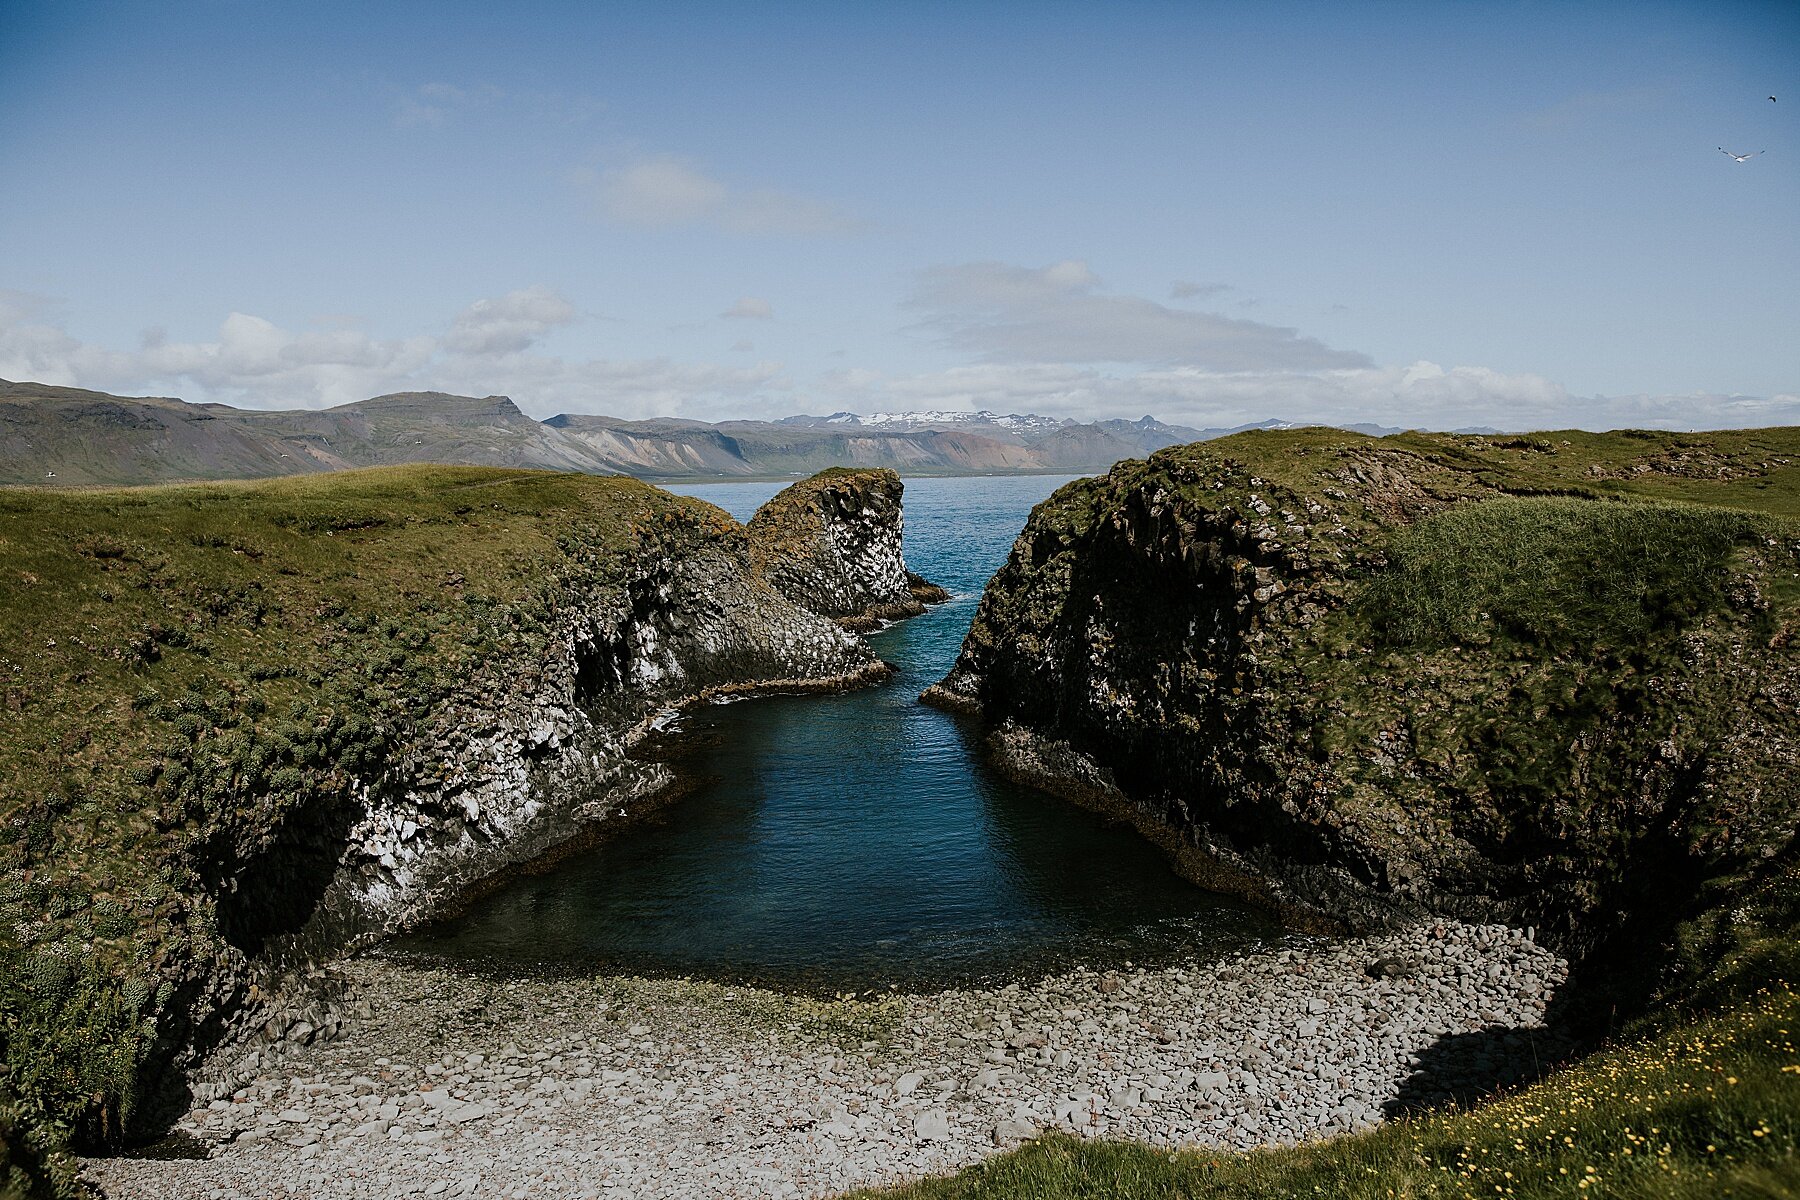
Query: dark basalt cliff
265,723
1551,680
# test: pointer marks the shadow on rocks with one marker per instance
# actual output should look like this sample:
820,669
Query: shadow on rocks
1466,1068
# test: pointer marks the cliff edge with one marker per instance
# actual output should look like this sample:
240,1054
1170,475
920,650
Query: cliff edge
245,726
1551,680
832,544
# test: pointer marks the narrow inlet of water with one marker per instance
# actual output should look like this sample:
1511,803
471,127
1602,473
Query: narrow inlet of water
859,841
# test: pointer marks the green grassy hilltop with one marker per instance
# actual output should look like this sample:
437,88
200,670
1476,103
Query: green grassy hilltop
1476,674
186,670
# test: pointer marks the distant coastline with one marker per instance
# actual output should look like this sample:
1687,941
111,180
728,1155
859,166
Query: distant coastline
69,437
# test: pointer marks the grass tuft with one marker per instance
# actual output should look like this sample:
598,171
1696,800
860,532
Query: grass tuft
1554,571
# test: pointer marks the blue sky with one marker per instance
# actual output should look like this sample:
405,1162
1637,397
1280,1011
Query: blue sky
1435,214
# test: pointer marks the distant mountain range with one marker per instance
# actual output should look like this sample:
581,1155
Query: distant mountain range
57,435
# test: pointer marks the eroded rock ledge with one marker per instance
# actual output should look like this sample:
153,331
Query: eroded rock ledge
1379,679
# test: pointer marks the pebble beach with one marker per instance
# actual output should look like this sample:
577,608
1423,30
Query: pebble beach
446,1082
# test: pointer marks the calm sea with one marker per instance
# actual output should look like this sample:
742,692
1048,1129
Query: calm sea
860,841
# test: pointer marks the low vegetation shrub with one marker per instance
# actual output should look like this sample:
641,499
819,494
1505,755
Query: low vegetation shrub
1554,571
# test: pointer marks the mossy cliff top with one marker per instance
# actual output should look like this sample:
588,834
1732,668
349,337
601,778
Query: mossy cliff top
207,686
1549,678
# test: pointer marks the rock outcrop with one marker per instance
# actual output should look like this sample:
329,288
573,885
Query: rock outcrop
467,727
1375,678
506,773
831,544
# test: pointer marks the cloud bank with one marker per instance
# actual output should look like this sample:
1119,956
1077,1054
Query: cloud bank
1059,314
1423,395
508,325
487,348
1044,340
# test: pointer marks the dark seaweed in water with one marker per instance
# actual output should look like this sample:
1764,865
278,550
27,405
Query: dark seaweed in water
858,841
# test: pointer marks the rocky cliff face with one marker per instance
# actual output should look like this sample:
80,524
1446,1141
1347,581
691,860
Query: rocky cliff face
529,756
1369,679
831,544
430,746
521,763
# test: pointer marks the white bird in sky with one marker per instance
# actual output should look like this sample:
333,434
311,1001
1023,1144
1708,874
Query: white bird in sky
1739,157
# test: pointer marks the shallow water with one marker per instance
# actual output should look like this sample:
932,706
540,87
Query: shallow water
860,841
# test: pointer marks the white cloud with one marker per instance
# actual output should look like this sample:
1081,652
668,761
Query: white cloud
667,191
1183,289
508,325
255,363
660,191
1422,395
750,308
1006,313
491,346
544,385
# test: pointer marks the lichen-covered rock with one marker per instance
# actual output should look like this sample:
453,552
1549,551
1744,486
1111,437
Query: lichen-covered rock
832,544
1373,678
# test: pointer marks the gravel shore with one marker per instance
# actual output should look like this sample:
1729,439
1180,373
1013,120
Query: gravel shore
457,1084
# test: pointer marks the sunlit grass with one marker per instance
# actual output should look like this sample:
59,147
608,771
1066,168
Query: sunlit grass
184,670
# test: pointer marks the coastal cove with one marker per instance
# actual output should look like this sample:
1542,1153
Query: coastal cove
1172,1017
516,640
859,840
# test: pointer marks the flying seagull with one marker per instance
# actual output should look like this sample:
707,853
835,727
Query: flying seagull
1739,157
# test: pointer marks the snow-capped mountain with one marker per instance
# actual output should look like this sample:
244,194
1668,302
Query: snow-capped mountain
949,418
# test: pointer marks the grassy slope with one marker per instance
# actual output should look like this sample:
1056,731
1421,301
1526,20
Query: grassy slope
182,669
1702,1098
